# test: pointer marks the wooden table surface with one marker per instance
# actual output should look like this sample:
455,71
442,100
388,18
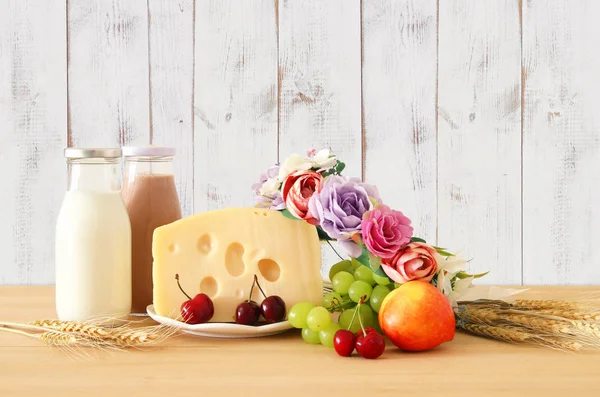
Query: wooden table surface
285,365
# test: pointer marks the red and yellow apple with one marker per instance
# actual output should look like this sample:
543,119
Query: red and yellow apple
417,316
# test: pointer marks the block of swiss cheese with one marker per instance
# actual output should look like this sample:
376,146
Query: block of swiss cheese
218,253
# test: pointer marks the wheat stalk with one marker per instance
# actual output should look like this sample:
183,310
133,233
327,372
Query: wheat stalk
587,328
544,304
559,344
570,314
498,333
73,327
74,334
545,323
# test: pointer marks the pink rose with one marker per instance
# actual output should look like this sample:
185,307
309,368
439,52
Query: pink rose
298,188
385,231
416,261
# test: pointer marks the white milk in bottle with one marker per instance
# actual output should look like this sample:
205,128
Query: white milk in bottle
93,240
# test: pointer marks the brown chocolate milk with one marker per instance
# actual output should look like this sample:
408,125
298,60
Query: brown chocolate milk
151,201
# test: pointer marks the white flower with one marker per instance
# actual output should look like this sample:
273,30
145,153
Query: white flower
270,187
443,283
448,267
293,163
320,160
451,264
323,160
460,288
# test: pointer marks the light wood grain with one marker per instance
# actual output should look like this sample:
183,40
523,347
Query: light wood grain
479,136
319,82
33,121
235,104
171,50
399,106
286,364
108,72
561,161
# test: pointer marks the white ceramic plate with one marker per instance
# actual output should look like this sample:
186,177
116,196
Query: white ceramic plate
222,330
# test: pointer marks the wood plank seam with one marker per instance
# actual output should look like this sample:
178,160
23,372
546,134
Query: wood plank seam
69,132
522,117
150,124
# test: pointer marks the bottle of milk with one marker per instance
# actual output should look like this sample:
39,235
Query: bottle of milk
93,239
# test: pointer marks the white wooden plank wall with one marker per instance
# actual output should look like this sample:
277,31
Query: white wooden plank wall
478,119
561,142
235,100
319,78
479,145
399,106
108,72
33,122
171,63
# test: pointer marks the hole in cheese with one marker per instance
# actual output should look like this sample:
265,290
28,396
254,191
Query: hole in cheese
171,248
205,244
269,269
233,259
209,286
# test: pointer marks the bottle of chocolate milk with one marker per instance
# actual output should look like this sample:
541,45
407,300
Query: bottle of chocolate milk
151,200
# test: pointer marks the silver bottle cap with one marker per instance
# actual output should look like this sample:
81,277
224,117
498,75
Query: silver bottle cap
80,153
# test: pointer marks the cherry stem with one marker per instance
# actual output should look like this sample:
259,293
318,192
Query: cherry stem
252,289
259,287
179,285
353,317
362,300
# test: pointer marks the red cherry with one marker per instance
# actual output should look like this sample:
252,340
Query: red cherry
344,342
273,309
370,346
197,310
247,313
368,330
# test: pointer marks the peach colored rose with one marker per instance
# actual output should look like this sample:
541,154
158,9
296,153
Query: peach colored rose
298,188
415,261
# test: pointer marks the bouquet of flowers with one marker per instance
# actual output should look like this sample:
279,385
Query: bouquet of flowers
351,212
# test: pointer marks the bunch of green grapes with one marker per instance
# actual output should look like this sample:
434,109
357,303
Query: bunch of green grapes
349,283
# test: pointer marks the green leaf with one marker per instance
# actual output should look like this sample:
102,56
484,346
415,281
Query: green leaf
339,167
341,266
322,234
381,273
462,275
374,261
365,260
288,214
418,240
442,251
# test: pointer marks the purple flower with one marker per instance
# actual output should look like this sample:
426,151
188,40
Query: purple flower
340,206
267,190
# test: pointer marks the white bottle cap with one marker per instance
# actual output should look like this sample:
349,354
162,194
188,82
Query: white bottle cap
132,151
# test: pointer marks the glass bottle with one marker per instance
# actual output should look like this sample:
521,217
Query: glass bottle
93,239
151,200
